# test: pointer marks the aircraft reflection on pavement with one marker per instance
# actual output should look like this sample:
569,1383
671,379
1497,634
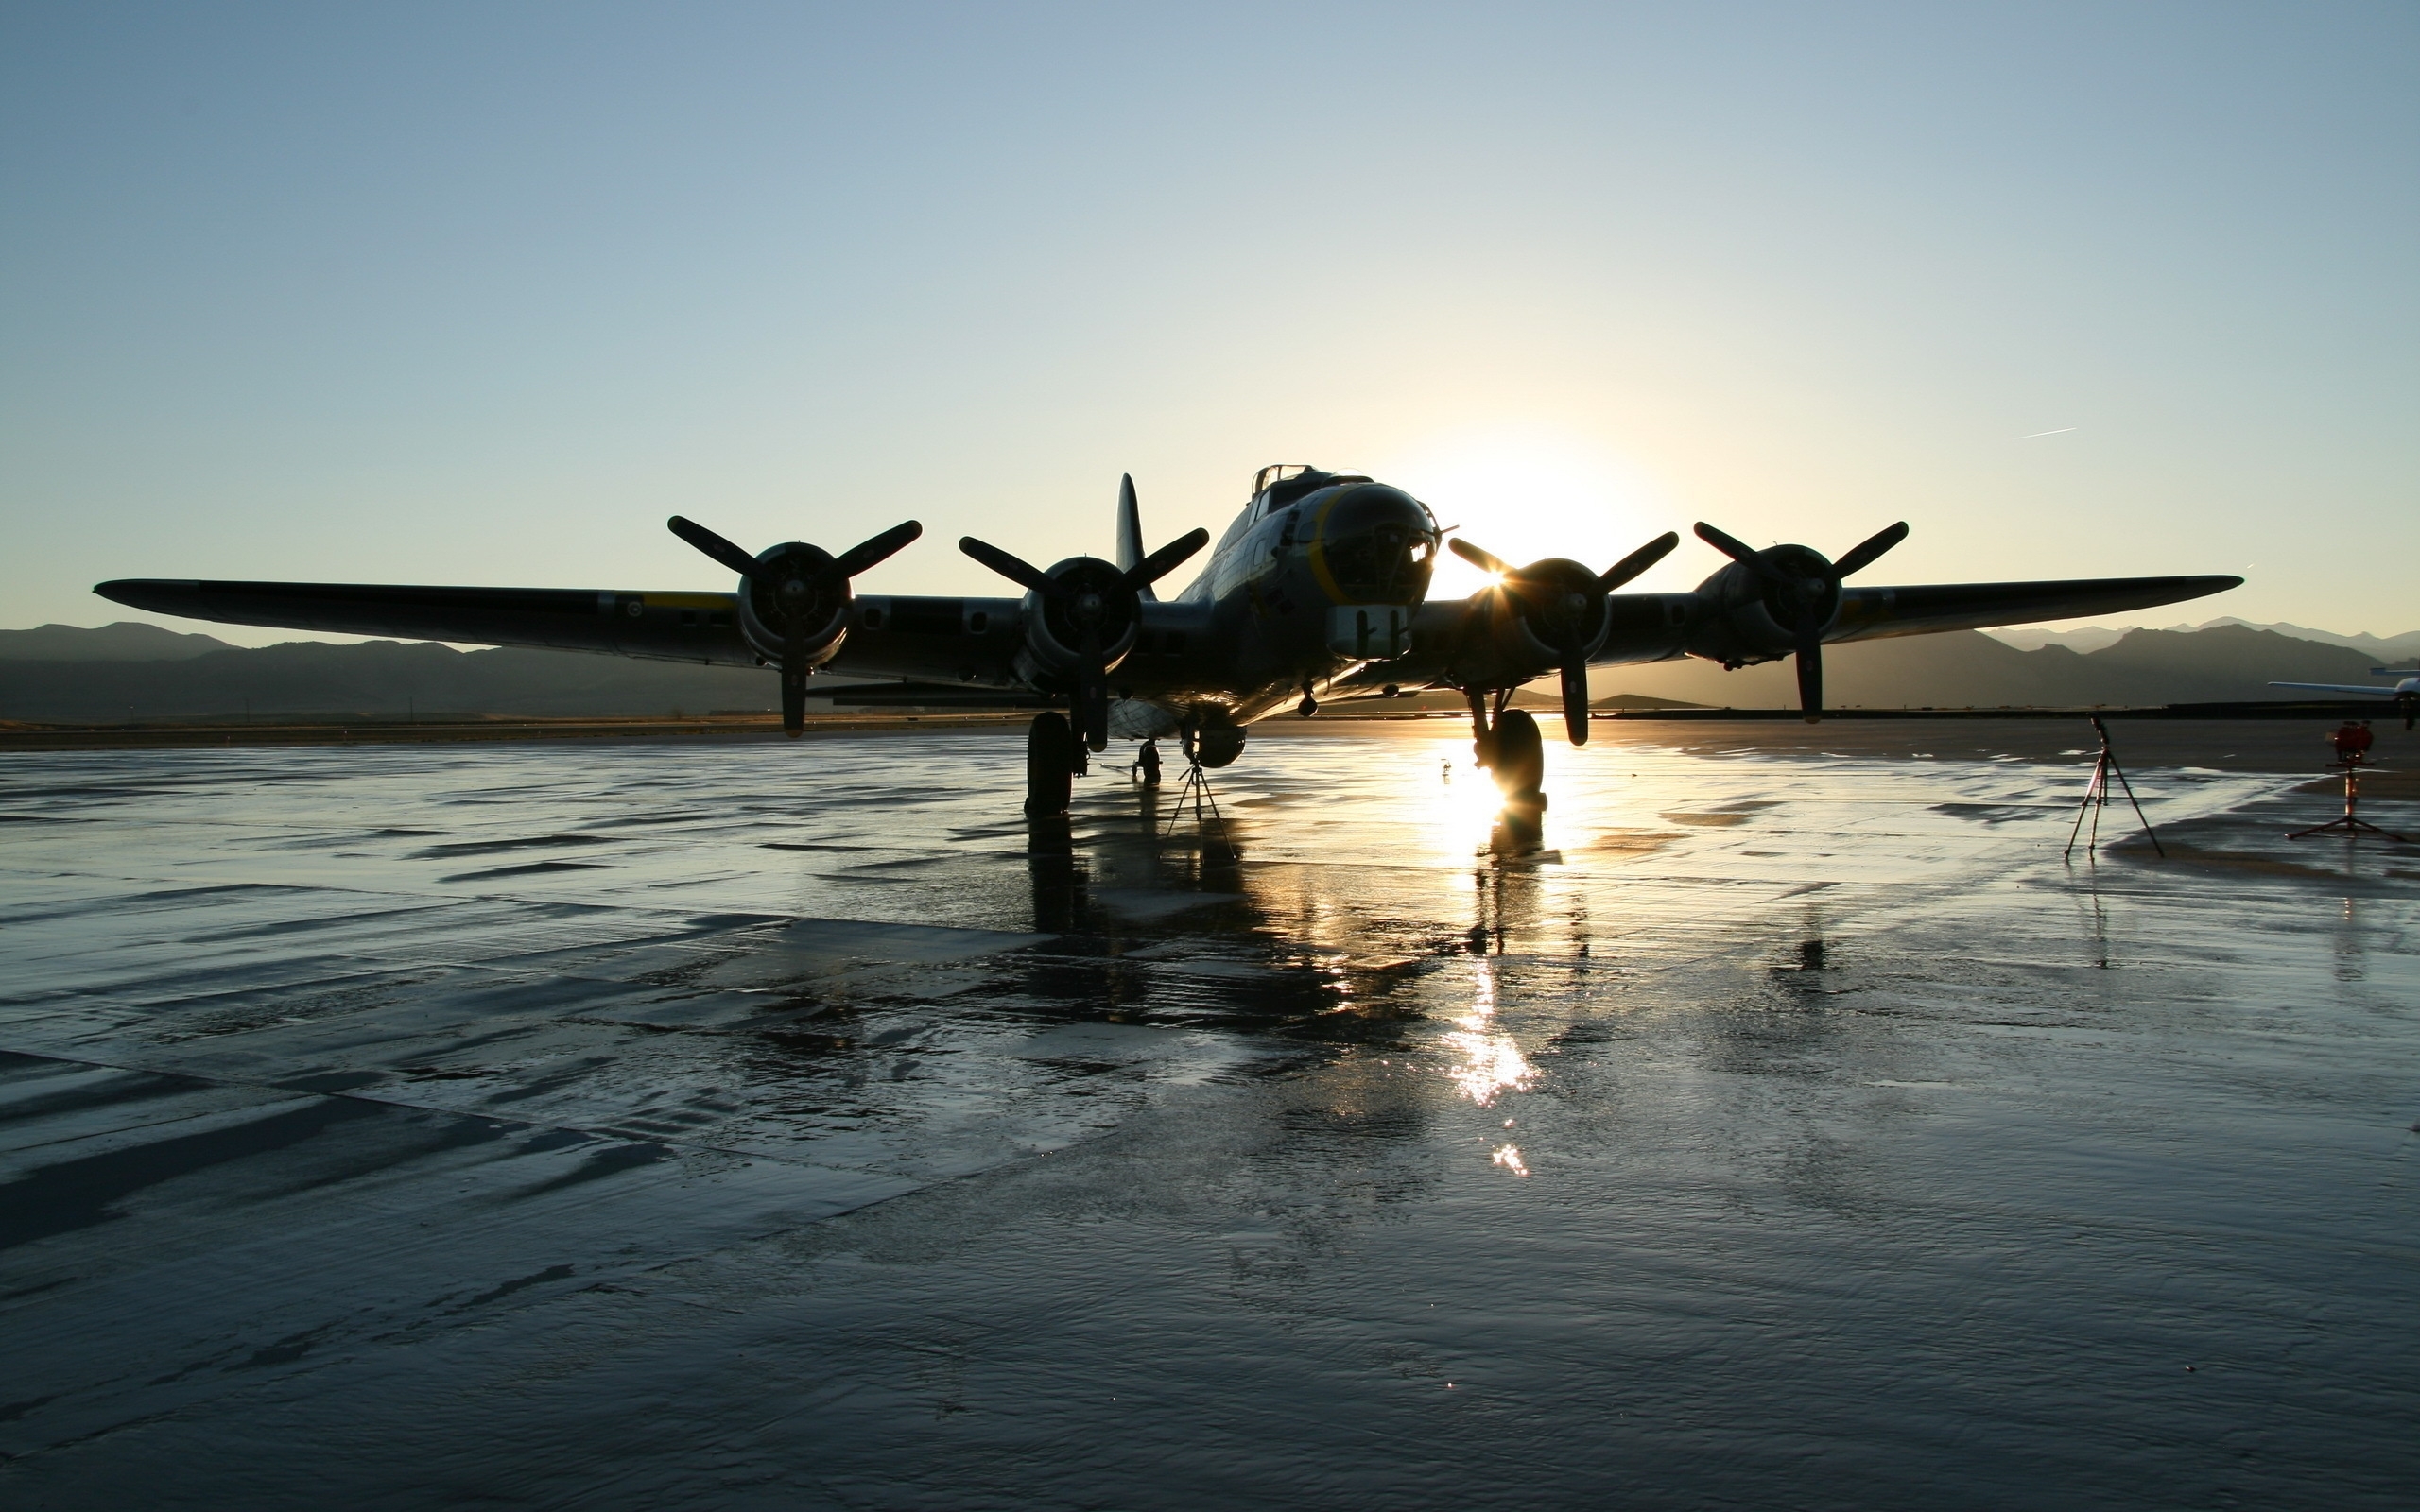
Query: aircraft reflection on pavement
1101,885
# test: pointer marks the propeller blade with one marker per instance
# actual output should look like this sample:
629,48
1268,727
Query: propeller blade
1639,562
1165,560
794,675
793,703
713,546
865,554
1096,701
1575,699
1485,561
1731,546
1873,546
1810,676
1009,567
1092,692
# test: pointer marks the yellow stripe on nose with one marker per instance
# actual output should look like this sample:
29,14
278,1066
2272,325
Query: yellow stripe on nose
1319,551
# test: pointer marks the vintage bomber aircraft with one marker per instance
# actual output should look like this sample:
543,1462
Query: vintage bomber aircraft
1318,589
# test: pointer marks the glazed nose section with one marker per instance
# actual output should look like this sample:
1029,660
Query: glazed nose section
1376,545
1374,506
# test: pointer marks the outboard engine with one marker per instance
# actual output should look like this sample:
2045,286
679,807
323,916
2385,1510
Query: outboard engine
1779,602
794,599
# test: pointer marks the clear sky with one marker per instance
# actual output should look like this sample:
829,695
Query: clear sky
480,293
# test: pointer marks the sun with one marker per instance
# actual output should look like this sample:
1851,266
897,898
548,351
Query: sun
1529,492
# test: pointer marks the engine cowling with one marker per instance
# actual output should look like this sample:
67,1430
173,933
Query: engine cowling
1755,606
1096,605
1533,620
791,585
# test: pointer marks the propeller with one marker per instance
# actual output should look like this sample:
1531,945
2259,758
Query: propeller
802,584
1801,591
1559,601
1087,599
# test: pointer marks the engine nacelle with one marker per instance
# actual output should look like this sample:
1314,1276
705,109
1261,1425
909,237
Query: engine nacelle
1526,624
1748,622
1217,745
791,585
1056,629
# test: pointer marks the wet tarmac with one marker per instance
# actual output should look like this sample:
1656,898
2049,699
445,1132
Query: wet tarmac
734,1126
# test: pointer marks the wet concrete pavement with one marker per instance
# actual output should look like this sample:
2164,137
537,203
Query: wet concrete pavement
734,1125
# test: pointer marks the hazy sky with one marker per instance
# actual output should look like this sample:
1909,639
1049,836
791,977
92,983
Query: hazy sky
479,294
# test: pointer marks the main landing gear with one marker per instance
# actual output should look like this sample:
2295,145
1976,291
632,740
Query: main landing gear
1506,741
1052,758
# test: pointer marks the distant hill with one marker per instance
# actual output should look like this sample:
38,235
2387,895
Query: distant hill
381,678
126,641
90,678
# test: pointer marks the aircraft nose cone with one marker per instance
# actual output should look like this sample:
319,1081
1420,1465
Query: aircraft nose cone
1089,606
1367,535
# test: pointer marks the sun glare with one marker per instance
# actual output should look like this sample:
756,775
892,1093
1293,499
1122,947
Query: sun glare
1525,492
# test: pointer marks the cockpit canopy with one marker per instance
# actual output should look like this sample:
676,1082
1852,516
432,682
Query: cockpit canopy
1275,487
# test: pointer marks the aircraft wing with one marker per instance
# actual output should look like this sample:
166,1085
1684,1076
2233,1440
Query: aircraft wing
660,625
961,640
2342,687
1872,613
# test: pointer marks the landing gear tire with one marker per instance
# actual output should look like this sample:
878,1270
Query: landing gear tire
1050,763
1518,757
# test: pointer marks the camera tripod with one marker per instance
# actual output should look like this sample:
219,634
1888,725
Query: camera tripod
2096,798
2352,824
1194,790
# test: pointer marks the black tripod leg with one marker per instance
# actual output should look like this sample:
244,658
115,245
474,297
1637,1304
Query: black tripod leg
2138,808
2090,789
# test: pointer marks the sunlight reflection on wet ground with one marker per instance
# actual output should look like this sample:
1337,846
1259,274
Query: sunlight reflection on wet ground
663,1124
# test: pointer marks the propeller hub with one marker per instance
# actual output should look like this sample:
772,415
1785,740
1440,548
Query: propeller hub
1560,602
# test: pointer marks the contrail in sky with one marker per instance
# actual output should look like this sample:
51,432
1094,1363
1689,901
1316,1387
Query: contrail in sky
2061,431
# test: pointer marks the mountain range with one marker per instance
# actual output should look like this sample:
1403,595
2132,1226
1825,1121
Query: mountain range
2094,637
128,671
2221,663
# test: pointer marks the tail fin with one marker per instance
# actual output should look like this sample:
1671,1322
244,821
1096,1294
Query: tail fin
1129,529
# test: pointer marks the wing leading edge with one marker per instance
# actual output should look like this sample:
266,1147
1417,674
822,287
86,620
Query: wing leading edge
2370,688
659,625
1872,613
